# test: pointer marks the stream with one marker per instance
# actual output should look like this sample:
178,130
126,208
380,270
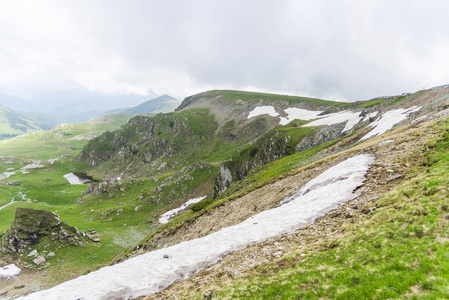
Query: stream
21,194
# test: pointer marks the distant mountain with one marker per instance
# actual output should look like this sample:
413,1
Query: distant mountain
162,104
16,103
79,105
13,123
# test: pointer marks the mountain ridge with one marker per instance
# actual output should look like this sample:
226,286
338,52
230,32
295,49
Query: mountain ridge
161,104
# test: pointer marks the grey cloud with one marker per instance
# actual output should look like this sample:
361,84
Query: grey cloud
348,50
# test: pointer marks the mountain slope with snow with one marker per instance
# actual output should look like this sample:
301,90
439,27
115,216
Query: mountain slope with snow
270,162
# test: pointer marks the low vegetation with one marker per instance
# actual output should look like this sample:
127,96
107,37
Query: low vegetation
253,97
399,251
155,163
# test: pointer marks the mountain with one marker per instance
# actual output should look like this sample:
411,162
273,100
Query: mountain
16,103
162,104
13,123
81,105
254,193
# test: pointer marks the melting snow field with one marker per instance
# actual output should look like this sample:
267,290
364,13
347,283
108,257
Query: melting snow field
73,179
299,113
294,113
9,271
388,120
352,119
172,213
154,271
263,110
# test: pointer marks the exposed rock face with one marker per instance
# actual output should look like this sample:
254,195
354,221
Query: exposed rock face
323,135
269,149
31,224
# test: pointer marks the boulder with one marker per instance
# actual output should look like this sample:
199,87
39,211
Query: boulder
30,225
39,260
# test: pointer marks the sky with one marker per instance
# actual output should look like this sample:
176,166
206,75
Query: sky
339,50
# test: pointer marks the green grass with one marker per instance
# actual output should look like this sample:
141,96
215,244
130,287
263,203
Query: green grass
256,178
402,244
60,140
398,99
45,188
269,172
372,103
254,97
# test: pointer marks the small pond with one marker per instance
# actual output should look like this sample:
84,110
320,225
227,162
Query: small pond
79,178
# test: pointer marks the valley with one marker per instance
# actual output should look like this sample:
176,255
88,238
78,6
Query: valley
236,157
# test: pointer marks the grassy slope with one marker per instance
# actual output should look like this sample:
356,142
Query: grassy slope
256,178
254,97
13,123
103,213
50,144
401,248
52,192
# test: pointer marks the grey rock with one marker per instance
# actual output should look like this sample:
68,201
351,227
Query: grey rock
394,177
39,260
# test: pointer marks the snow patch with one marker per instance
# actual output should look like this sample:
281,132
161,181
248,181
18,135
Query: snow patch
9,271
371,115
73,179
172,213
152,272
299,113
263,110
388,120
352,118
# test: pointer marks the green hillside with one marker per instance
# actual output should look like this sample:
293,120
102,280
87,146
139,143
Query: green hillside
146,165
13,123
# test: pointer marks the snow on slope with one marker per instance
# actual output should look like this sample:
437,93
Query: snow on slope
299,113
294,113
352,119
9,271
154,271
388,120
73,179
172,213
263,110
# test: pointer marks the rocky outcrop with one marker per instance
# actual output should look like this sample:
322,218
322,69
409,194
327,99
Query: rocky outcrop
30,225
270,148
323,135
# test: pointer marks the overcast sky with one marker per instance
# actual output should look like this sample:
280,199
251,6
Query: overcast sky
346,50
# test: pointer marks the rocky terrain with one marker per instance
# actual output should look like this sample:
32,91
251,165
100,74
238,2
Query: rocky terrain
387,172
31,225
244,154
